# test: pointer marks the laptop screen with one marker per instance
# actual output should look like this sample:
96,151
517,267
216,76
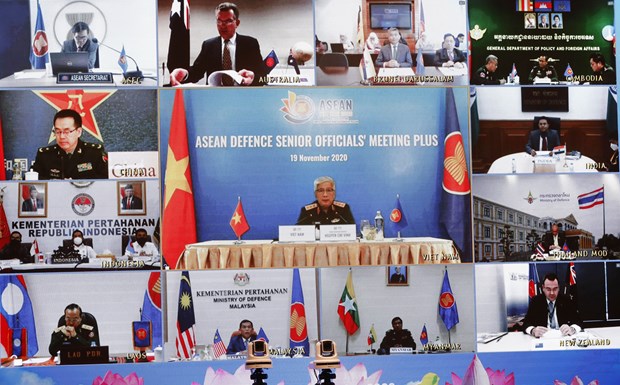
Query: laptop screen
69,62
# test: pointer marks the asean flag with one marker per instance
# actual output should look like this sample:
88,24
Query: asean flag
447,304
298,326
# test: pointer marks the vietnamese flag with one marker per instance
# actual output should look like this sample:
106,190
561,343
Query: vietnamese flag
238,221
179,216
347,308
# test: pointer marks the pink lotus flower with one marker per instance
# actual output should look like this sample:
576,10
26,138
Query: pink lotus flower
576,381
222,377
477,375
116,379
356,376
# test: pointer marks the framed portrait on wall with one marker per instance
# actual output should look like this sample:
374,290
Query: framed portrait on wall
397,275
131,197
32,200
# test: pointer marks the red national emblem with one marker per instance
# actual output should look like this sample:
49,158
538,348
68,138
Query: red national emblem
396,215
299,330
270,62
455,174
446,300
423,335
141,333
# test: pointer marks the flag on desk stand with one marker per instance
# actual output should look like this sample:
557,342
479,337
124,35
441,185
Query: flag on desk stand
219,349
398,220
298,336
151,307
420,69
38,52
367,68
372,335
571,282
540,250
568,73
122,60
186,320
513,73
19,333
447,304
178,49
238,221
359,40
424,336
456,194
179,216
271,61
262,335
533,288
35,251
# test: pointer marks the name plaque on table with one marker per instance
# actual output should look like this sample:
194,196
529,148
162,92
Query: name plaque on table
331,233
296,233
90,77
544,160
401,350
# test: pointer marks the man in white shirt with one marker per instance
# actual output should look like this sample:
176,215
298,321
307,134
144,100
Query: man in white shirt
141,247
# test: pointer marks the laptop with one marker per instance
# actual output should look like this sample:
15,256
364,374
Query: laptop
337,47
71,62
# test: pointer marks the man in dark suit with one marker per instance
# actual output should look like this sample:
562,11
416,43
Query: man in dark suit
240,339
394,54
229,51
552,310
449,56
82,43
16,249
554,240
130,201
542,139
34,203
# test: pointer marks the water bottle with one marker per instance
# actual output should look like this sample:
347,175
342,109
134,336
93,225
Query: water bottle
379,222
514,166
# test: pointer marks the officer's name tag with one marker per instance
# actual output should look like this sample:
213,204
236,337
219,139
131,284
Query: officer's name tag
330,233
296,233
401,350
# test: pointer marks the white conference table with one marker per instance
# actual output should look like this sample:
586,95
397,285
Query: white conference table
601,338
525,164
268,254
50,81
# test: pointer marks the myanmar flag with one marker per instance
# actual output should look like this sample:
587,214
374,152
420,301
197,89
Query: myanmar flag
347,308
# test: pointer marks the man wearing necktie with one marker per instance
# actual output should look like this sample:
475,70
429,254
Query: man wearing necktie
240,338
130,201
448,56
544,139
81,42
552,310
555,239
33,203
228,51
395,54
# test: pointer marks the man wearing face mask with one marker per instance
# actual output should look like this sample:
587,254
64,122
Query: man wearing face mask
78,245
141,247
15,249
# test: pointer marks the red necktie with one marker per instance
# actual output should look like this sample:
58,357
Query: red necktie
34,204
545,148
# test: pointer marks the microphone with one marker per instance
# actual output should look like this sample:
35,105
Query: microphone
130,74
292,62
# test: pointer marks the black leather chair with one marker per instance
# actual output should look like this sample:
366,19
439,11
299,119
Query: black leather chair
554,123
69,242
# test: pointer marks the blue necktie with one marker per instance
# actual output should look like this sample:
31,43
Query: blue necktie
552,322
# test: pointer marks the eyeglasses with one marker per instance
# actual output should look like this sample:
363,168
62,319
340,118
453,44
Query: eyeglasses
71,319
325,190
225,22
58,132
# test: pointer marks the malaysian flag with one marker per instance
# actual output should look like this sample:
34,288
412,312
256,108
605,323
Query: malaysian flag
592,198
186,339
219,349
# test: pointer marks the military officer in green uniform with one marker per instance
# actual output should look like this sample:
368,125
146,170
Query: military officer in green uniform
543,70
73,331
325,210
70,157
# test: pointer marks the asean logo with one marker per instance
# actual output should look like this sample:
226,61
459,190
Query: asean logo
297,108
83,204
299,331
446,300
396,215
455,175
39,44
141,333
241,279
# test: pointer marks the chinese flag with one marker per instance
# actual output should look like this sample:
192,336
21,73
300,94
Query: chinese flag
238,222
179,216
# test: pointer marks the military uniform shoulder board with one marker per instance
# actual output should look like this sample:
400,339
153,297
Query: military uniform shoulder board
87,327
311,206
48,148
339,204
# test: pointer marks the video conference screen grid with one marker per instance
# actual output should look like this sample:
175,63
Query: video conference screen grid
407,128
